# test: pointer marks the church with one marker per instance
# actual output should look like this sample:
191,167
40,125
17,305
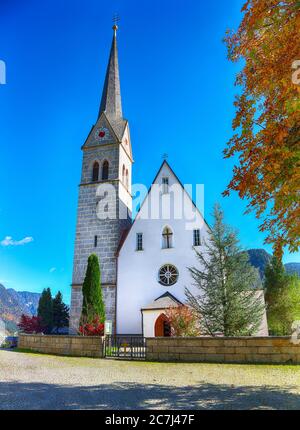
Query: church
144,262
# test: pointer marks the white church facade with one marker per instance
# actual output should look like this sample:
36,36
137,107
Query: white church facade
144,262
153,261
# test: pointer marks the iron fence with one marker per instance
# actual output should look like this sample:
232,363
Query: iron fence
125,347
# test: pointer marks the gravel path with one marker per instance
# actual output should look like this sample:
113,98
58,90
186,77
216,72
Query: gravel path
32,381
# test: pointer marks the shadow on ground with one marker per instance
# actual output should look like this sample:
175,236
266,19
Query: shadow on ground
15,395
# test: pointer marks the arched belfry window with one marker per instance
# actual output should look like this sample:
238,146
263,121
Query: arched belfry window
105,170
127,180
95,176
123,174
167,237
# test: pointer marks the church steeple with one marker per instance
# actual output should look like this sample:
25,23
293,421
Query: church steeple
111,97
105,180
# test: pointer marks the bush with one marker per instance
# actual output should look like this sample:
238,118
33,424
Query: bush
30,325
183,321
282,298
93,328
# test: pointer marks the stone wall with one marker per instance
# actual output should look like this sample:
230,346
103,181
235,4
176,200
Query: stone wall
78,346
223,350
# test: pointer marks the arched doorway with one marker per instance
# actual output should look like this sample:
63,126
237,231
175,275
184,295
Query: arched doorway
162,327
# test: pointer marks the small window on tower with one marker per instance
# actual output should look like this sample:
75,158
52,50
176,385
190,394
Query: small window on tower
165,185
139,242
95,241
95,176
197,238
127,179
105,169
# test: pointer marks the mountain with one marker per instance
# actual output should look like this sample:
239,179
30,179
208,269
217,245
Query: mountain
259,258
293,268
28,301
15,303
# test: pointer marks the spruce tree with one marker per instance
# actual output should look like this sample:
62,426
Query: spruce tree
228,302
45,310
93,304
60,312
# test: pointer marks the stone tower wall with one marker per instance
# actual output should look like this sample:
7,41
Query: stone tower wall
108,232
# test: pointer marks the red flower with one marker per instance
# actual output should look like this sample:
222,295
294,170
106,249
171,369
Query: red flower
94,328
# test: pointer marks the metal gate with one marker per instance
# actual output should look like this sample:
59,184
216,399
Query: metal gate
125,347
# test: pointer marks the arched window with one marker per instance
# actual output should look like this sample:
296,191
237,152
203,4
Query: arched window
127,181
167,237
123,174
165,185
95,176
105,169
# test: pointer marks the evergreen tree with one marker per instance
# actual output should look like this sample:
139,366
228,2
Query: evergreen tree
45,310
60,312
93,304
228,300
294,294
282,298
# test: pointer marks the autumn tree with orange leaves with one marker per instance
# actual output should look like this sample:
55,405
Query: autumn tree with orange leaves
183,321
267,120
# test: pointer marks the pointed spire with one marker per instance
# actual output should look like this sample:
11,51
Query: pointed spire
111,96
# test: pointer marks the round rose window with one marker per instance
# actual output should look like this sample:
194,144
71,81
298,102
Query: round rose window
168,275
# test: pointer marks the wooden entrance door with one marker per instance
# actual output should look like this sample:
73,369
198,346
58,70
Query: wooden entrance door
162,327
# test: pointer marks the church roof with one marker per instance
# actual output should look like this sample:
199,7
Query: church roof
111,103
111,96
165,301
127,231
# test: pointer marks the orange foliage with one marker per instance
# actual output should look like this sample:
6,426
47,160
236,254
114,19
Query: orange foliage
267,121
183,321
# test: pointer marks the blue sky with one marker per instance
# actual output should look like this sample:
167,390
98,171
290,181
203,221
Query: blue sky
177,90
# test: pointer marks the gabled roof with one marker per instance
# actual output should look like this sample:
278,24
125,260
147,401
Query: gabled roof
116,127
122,241
165,301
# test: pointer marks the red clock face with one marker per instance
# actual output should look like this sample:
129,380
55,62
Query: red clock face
101,133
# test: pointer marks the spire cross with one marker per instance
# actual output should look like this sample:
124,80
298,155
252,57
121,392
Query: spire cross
111,95
165,156
116,19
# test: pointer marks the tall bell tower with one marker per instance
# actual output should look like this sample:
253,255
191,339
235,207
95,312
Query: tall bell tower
105,203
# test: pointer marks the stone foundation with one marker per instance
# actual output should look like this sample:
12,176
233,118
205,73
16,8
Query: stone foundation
223,350
78,346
